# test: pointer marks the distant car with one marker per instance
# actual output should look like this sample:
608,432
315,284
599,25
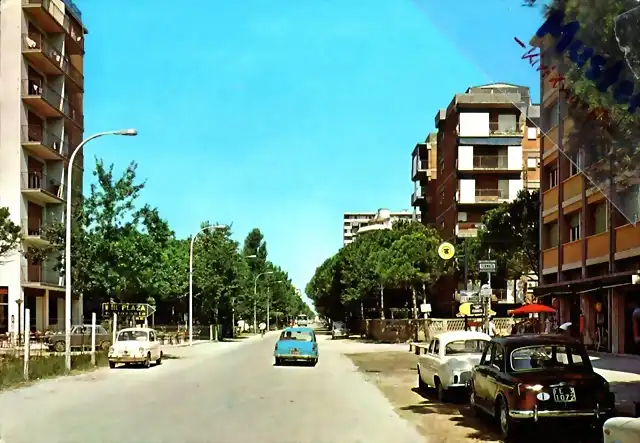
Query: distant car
449,360
302,320
136,346
339,330
525,378
296,344
80,338
621,430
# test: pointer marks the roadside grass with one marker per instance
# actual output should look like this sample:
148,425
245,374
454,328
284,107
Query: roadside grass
45,366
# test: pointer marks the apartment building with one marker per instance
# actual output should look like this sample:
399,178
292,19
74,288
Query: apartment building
589,250
352,221
487,152
41,122
424,173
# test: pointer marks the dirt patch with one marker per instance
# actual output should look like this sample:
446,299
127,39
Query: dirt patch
396,375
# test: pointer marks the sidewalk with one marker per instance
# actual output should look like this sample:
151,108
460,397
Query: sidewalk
623,374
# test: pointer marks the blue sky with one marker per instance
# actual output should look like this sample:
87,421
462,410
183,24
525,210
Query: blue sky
283,114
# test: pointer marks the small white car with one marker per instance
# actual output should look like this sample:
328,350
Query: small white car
339,330
621,430
448,360
136,346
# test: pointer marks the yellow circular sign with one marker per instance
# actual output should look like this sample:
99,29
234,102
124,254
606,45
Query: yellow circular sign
446,251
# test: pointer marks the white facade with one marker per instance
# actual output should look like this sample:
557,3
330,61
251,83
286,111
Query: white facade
354,222
41,88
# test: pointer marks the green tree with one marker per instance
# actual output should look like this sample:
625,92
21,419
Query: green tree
10,234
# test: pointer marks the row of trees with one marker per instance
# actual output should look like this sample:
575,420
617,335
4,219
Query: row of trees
395,270
123,251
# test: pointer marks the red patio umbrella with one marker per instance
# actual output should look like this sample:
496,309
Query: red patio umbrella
534,308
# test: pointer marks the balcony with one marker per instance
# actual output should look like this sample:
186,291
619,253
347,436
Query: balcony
597,246
550,199
40,189
491,162
550,258
628,239
32,230
418,198
53,20
42,54
43,98
505,130
41,275
76,116
420,169
491,196
43,144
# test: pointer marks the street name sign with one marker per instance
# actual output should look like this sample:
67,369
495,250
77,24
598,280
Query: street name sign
487,265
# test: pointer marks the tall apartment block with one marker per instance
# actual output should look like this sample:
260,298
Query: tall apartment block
353,220
589,250
41,122
424,171
487,152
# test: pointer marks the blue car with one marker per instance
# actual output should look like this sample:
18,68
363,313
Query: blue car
297,344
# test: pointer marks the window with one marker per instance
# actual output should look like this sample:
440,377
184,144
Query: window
436,346
296,335
4,309
465,347
133,336
553,239
152,336
540,358
507,123
577,162
431,347
553,178
462,217
551,116
601,219
574,227
497,360
532,162
486,355
532,133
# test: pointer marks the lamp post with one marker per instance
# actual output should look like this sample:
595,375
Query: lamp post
19,335
269,300
67,242
206,228
255,301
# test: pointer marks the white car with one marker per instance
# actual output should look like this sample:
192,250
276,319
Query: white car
339,330
621,430
448,360
136,346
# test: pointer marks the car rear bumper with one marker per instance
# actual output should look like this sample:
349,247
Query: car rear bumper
296,356
535,414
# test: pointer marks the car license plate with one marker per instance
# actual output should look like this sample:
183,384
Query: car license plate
295,351
564,395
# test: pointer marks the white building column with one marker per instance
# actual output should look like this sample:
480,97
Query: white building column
45,310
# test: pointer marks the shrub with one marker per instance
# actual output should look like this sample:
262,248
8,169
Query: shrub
45,366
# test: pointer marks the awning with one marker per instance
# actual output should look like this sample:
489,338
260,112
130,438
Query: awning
588,284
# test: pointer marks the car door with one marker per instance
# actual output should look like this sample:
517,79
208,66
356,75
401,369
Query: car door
480,376
153,346
495,374
423,363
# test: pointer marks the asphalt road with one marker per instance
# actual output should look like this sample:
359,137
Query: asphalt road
214,393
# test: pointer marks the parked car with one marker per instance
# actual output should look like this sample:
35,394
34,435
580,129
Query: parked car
296,344
524,378
621,430
80,338
136,346
339,330
449,359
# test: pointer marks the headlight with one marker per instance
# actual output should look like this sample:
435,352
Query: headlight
534,388
141,350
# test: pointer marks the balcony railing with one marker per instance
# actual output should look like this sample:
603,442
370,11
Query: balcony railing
36,180
75,115
37,134
490,162
41,273
40,88
36,41
76,33
32,226
489,195
72,72
421,165
496,128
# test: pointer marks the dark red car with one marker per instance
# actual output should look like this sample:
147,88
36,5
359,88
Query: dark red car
528,378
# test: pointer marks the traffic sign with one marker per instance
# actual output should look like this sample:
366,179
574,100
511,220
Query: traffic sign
138,311
487,265
446,251
476,309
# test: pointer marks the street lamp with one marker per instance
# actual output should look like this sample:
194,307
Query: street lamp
67,242
255,301
269,301
206,228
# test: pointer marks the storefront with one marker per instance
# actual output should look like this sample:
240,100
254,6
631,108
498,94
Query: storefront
632,322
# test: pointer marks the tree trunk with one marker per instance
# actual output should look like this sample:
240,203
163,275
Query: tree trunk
381,302
362,310
415,302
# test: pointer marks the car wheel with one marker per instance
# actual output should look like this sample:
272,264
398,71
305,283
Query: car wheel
159,360
105,345
442,392
59,346
314,362
278,361
422,386
112,364
507,428
147,361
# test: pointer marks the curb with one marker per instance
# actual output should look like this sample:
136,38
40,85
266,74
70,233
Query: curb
631,357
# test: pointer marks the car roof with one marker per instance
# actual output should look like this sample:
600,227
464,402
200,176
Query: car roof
297,329
137,329
536,339
449,336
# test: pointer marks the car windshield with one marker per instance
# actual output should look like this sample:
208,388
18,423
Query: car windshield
465,347
133,336
545,357
296,335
